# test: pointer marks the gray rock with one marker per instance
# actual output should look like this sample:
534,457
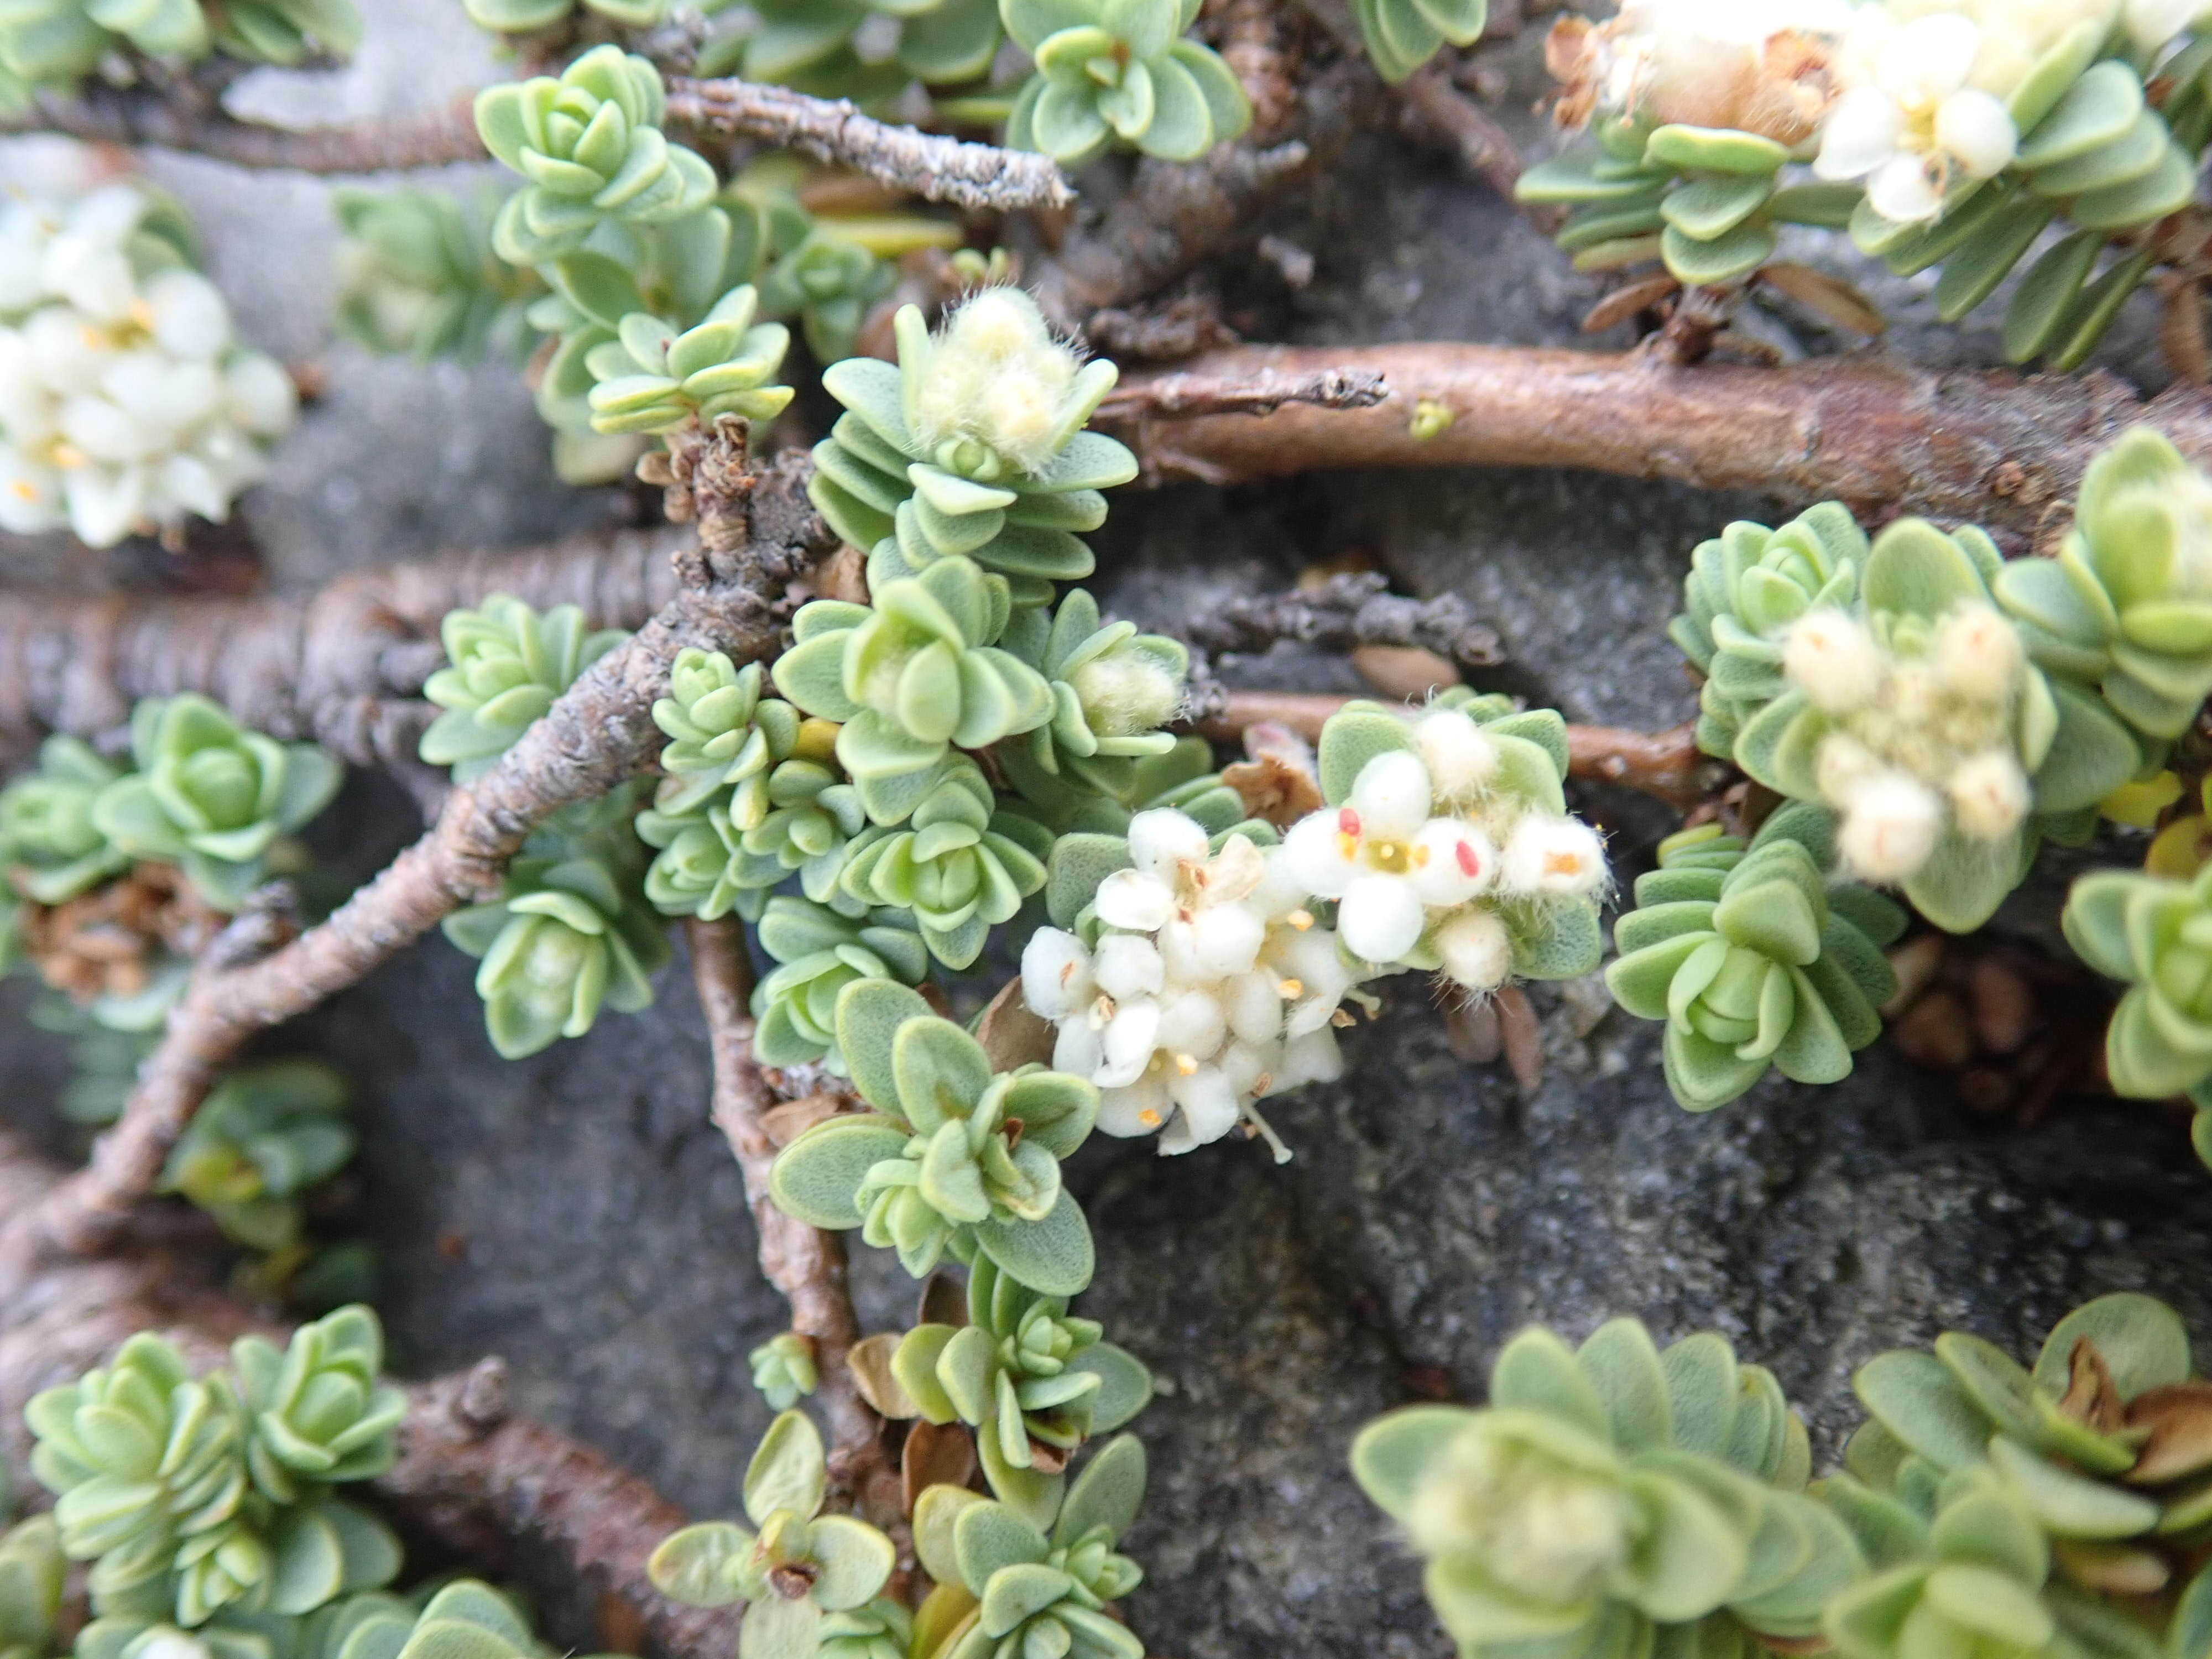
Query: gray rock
577,1212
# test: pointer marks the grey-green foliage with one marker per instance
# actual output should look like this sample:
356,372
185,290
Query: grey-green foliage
2126,604
973,445
810,45
958,864
1113,688
1987,1510
590,144
263,1136
1037,1577
449,1617
1754,957
752,794
1119,71
1745,588
817,953
519,16
783,1369
1022,1371
55,43
1612,1496
210,796
506,665
1709,202
1401,35
655,376
2025,1509
938,1168
829,283
570,931
2099,159
910,675
192,1497
419,277
32,1568
50,846
797,1569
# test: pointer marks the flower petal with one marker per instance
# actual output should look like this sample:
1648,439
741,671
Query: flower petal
1132,899
1380,918
1391,796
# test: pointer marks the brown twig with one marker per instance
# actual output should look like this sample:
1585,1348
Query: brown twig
344,666
463,1460
1667,765
1881,435
805,1263
974,176
1177,394
138,117
598,735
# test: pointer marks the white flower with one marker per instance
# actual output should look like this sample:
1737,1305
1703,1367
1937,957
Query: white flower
1363,855
1891,824
1916,121
1056,981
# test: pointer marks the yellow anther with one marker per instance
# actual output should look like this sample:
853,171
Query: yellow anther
1149,1118
1347,844
1186,1065
1300,920
1291,989
69,456
22,491
1339,1019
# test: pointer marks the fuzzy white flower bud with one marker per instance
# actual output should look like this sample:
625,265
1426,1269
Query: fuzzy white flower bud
1477,950
1832,657
1461,757
1555,858
1891,824
1127,693
1989,795
1978,653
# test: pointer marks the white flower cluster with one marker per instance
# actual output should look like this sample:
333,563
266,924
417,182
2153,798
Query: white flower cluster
1915,742
1211,986
125,401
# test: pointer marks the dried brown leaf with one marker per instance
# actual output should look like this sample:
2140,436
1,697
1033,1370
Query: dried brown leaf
2179,1419
1827,296
944,1301
1630,301
787,1122
2116,1569
2091,1396
869,1360
935,1455
1010,1035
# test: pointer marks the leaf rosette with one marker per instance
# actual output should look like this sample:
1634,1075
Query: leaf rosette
1754,959
954,1160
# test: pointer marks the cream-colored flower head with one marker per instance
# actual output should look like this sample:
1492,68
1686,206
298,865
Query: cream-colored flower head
995,376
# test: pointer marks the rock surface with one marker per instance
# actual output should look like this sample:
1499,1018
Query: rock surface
577,1212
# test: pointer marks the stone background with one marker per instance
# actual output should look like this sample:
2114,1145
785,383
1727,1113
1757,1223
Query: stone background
577,1213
